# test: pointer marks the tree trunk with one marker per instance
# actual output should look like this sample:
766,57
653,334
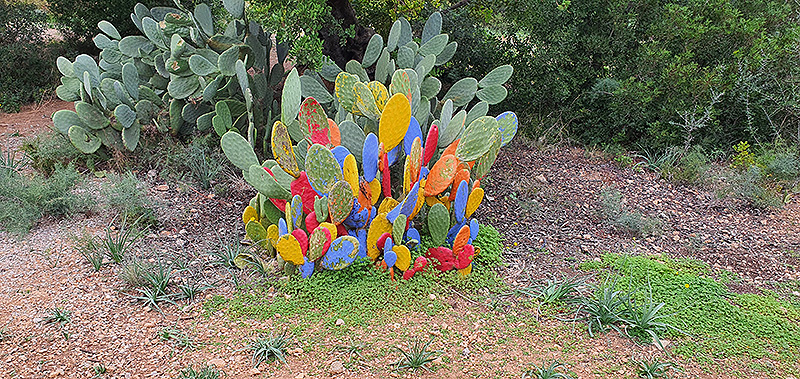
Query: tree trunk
352,48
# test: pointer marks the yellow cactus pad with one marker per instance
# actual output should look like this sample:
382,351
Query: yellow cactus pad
331,228
289,249
289,223
282,149
394,121
377,227
403,257
375,188
273,234
387,205
466,270
250,214
351,173
474,200
420,200
380,93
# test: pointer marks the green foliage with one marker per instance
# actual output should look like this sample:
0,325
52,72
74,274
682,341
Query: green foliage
58,316
555,291
619,216
77,19
721,324
126,197
653,368
117,242
690,168
655,73
546,372
204,372
51,149
417,357
743,158
26,199
25,57
274,347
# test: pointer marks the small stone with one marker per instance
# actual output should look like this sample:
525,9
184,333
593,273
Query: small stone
300,376
217,362
432,297
162,187
149,325
255,371
336,368
297,351
541,179
339,322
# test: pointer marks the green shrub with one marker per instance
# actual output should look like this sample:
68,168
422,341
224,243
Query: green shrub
77,19
52,149
646,72
24,200
129,200
614,211
26,60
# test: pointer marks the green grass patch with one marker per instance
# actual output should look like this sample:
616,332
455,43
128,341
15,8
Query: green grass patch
361,293
721,324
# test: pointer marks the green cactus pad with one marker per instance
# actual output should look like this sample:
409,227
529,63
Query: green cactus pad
355,68
283,150
484,163
130,136
352,137
394,35
438,223
492,95
434,46
130,78
430,87
83,140
125,115
340,201
321,208
64,119
91,116
497,77
365,101
401,83
477,139
202,14
108,28
313,88
382,66
374,48
433,26
478,110
322,168
236,10
264,183
238,151
202,66
291,96
345,92
399,228
255,232
454,129
462,92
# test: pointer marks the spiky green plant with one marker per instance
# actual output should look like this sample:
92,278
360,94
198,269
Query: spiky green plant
653,368
546,372
274,347
417,357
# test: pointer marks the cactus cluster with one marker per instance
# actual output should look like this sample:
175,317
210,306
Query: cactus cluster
183,73
362,172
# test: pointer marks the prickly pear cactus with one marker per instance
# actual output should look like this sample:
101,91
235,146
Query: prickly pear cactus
349,186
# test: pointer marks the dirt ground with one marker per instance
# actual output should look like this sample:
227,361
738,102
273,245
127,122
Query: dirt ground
540,200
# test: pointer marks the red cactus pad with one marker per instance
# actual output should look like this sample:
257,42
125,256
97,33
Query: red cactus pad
419,264
302,187
386,177
444,258
430,144
382,240
302,238
341,230
408,274
465,258
311,221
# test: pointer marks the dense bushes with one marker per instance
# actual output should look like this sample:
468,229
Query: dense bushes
643,72
26,62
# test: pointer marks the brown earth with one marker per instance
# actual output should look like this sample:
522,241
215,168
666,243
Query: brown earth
543,202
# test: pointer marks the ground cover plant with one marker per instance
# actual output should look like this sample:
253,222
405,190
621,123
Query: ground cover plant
710,321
